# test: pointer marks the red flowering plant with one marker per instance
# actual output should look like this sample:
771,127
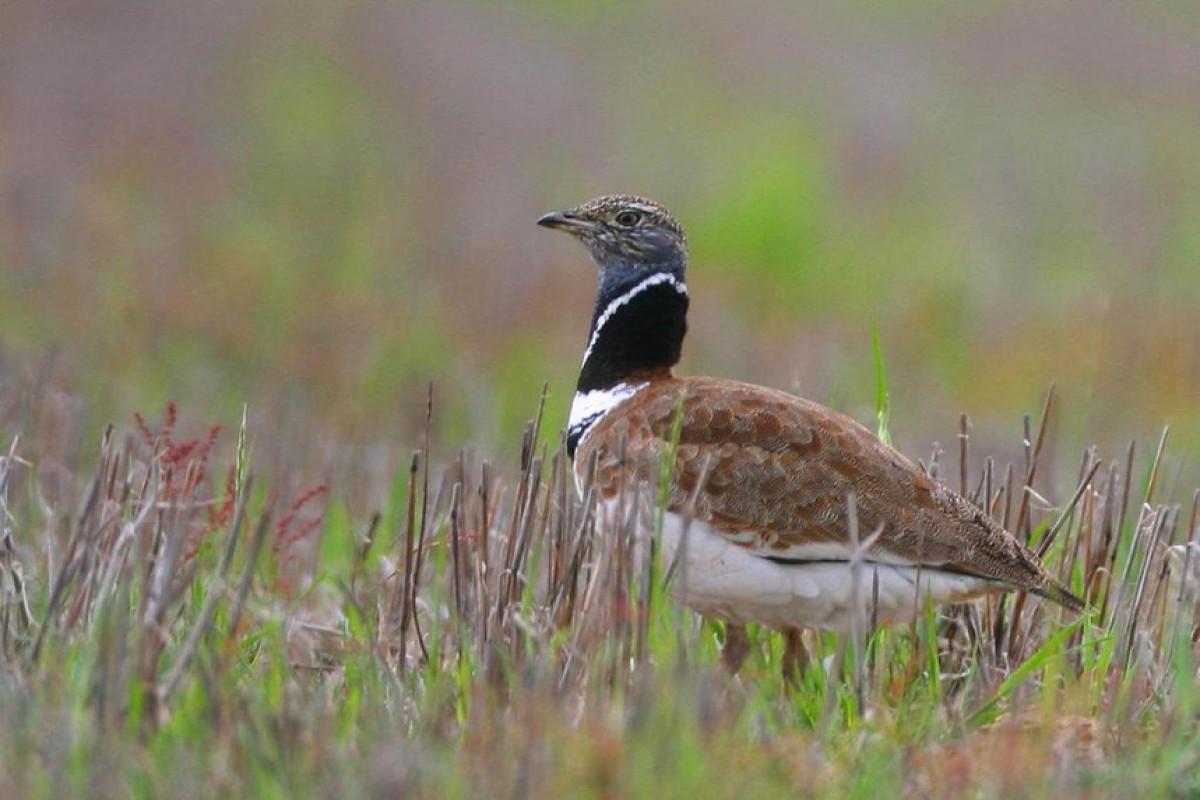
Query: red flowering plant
184,469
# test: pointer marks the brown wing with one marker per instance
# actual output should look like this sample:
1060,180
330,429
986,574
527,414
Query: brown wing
780,469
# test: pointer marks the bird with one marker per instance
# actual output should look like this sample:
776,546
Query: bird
763,484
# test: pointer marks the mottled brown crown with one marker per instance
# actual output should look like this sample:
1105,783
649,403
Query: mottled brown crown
607,207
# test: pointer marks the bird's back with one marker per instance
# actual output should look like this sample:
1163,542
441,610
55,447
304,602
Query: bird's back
778,472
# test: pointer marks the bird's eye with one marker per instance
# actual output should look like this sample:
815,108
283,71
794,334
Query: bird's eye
627,219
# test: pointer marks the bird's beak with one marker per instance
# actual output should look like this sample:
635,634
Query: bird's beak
568,221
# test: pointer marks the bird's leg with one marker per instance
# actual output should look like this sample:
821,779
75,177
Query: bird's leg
795,657
736,647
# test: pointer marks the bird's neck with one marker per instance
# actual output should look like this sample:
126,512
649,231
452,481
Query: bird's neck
637,328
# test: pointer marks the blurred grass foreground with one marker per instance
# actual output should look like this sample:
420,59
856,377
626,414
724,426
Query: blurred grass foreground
242,552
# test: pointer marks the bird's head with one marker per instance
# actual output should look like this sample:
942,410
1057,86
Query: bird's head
625,232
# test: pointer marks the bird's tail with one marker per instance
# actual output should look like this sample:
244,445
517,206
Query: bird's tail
1057,593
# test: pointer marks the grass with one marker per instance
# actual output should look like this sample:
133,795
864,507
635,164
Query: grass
178,624
316,214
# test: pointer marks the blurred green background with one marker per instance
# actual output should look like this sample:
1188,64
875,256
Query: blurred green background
317,208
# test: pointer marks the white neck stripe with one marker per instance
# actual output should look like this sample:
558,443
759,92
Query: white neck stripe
590,406
615,305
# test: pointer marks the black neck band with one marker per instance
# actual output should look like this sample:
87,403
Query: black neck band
637,327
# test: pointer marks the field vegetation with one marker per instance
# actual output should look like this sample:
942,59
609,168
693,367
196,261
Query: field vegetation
284,363
172,625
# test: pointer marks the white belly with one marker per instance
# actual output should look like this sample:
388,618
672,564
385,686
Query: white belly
720,579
